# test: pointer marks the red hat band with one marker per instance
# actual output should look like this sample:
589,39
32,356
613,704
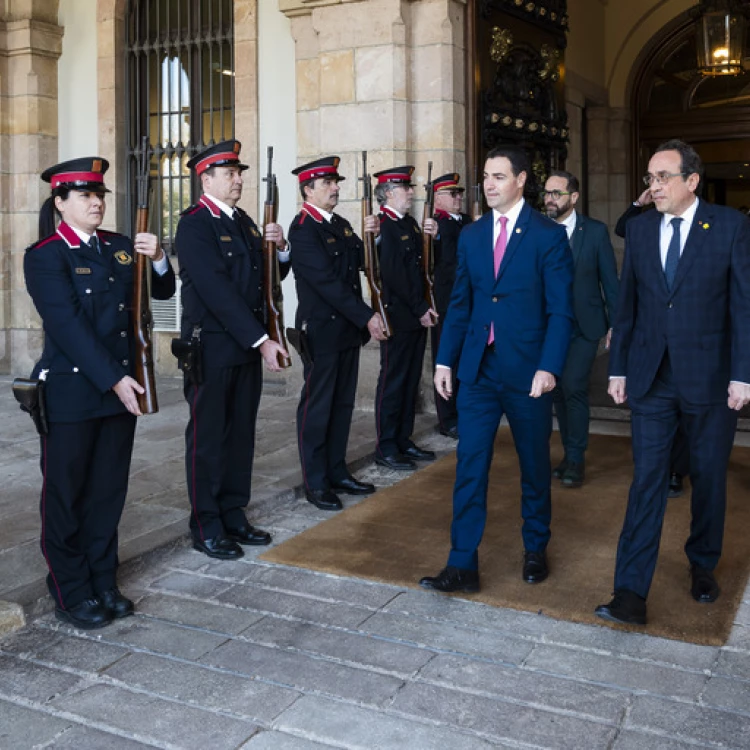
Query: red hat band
393,177
64,177
310,174
225,156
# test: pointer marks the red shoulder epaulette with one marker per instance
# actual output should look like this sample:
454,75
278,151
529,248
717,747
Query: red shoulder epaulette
44,241
440,214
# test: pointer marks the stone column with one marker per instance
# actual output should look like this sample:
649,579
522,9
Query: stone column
30,45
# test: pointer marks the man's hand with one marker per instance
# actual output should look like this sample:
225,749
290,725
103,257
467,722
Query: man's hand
739,395
542,383
616,389
429,319
376,327
608,339
127,390
275,233
372,224
270,352
148,244
645,198
430,227
443,384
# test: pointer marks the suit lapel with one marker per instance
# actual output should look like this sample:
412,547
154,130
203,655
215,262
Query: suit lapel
652,250
514,240
576,239
699,232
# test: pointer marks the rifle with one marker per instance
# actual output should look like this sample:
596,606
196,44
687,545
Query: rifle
143,370
476,205
372,265
272,280
428,260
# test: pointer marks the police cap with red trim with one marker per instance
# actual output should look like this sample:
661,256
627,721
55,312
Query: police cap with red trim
447,182
224,154
398,175
86,173
328,167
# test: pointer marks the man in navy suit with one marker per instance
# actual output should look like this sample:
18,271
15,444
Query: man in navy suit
594,301
679,354
507,328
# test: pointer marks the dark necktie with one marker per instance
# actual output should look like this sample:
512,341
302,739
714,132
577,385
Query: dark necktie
673,253
94,244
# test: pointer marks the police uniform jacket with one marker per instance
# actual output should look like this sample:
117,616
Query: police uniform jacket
85,301
326,259
400,250
221,267
445,249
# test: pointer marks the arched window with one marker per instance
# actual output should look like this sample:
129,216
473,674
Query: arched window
180,88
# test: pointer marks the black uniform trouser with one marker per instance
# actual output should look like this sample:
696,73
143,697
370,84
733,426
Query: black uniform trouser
447,413
398,387
85,467
220,445
324,417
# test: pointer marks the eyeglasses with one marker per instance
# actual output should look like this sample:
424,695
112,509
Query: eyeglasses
554,194
661,177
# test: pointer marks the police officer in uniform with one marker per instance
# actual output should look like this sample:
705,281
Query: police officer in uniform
81,281
450,221
401,356
220,251
336,323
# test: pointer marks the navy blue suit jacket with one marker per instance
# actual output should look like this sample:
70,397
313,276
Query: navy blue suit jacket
529,302
705,319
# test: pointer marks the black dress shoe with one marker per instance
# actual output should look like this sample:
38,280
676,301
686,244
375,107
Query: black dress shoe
118,605
704,588
219,547
397,462
323,499
559,470
573,475
417,454
351,486
535,568
453,579
675,484
90,614
626,608
451,432
248,535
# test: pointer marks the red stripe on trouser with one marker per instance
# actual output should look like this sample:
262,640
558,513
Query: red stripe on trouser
44,524
302,427
195,449
382,391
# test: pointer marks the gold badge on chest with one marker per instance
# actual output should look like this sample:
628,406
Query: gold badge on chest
123,258
256,233
348,232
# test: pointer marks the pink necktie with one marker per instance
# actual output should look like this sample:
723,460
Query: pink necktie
500,245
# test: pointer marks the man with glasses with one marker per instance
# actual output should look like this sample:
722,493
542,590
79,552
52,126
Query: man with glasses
679,354
594,301
401,355
450,221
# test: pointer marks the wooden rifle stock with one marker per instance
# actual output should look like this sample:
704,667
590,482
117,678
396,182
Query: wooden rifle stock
428,260
476,206
143,370
372,266
272,281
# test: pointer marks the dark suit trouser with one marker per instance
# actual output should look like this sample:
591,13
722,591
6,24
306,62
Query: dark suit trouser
480,408
710,433
85,467
324,417
220,445
447,413
401,359
571,398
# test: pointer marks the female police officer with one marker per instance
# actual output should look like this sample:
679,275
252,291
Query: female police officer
81,281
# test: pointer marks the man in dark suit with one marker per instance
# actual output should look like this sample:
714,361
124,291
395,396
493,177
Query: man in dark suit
335,323
220,252
401,356
507,329
594,299
679,354
450,222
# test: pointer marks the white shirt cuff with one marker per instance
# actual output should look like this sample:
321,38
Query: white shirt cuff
263,338
161,266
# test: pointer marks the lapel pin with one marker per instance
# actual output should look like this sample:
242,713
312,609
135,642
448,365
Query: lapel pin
518,230
706,225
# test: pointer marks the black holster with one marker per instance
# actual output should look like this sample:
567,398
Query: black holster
30,394
298,339
189,353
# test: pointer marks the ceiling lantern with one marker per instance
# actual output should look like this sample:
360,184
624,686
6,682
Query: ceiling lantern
721,28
